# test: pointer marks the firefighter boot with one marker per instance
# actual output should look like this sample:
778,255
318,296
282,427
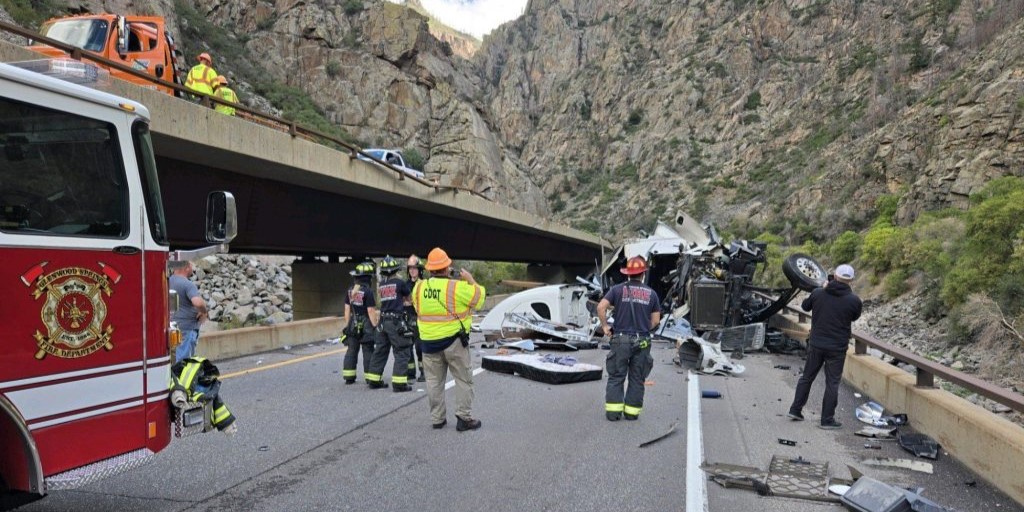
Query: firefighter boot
376,384
399,388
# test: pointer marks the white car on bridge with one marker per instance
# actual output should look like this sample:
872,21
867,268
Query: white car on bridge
393,157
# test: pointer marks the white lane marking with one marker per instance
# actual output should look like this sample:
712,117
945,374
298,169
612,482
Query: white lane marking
451,384
84,415
62,398
696,484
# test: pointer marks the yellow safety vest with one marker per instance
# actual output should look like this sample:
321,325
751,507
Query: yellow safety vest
200,78
441,304
226,94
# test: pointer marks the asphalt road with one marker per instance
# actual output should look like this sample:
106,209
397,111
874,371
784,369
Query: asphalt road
309,442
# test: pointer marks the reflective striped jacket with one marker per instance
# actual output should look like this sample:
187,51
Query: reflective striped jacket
441,304
200,78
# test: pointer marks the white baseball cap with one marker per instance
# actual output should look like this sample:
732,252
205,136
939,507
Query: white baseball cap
845,272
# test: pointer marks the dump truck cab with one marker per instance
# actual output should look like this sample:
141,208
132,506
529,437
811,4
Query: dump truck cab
141,42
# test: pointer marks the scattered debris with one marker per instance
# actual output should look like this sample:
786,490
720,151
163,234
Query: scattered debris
870,446
555,311
870,495
858,395
263,448
705,357
971,483
787,442
533,367
333,341
872,413
839,489
776,342
562,360
524,345
739,338
918,444
913,465
786,477
671,429
876,432
782,367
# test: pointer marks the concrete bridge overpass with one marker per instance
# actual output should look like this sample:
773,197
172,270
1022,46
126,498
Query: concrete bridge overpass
300,197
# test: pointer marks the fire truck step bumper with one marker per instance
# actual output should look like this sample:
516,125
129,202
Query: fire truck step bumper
96,471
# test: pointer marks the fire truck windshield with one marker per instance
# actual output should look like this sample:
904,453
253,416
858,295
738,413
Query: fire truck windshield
87,34
61,174
147,170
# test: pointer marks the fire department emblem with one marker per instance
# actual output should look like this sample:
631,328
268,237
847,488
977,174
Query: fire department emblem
73,309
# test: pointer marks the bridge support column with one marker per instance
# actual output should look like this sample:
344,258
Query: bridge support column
556,274
318,288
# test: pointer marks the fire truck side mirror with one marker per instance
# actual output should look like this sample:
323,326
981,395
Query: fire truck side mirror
221,218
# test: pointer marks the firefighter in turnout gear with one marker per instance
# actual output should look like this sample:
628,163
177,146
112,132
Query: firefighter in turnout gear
637,312
360,322
196,379
444,309
393,332
414,268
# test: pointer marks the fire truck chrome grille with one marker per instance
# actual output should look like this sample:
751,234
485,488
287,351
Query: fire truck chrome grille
98,470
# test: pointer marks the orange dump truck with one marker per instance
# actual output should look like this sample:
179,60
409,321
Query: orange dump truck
141,42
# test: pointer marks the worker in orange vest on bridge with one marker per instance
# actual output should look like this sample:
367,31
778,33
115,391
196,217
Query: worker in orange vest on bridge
202,76
222,91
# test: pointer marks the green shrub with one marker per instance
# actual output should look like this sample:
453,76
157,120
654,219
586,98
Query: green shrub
413,158
353,7
333,69
844,249
886,206
32,13
896,283
753,101
882,247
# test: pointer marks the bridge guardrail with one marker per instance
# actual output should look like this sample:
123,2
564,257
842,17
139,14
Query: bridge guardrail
927,369
209,100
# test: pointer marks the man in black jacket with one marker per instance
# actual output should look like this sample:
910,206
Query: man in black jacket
835,307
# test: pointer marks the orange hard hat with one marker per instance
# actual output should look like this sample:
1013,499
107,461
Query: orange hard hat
438,259
222,80
635,265
205,56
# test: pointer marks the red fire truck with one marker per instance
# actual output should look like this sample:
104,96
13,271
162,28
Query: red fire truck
84,347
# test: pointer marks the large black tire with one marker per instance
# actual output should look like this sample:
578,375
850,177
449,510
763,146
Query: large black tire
804,272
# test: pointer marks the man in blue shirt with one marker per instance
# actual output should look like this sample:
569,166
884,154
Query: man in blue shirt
191,310
637,311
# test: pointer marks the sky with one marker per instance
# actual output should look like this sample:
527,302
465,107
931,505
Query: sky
476,17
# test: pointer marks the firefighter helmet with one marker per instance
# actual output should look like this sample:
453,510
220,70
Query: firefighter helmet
389,265
635,265
365,268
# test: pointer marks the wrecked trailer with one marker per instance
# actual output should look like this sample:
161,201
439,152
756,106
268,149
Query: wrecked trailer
709,297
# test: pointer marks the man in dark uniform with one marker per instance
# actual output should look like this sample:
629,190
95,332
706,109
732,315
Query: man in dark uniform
835,307
393,333
637,312
360,321
415,271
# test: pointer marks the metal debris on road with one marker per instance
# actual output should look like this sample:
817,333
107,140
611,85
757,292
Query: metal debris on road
872,413
787,442
870,446
876,432
710,393
671,430
918,444
913,465
782,367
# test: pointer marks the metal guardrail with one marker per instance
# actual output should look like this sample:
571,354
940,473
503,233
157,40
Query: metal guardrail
927,369
209,100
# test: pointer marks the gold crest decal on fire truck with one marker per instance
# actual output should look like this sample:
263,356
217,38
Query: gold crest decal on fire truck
73,309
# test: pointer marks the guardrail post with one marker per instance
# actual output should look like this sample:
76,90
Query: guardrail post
859,347
76,54
925,379
292,129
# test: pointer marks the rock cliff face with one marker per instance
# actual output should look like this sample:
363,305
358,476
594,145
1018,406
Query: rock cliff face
789,115
792,115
